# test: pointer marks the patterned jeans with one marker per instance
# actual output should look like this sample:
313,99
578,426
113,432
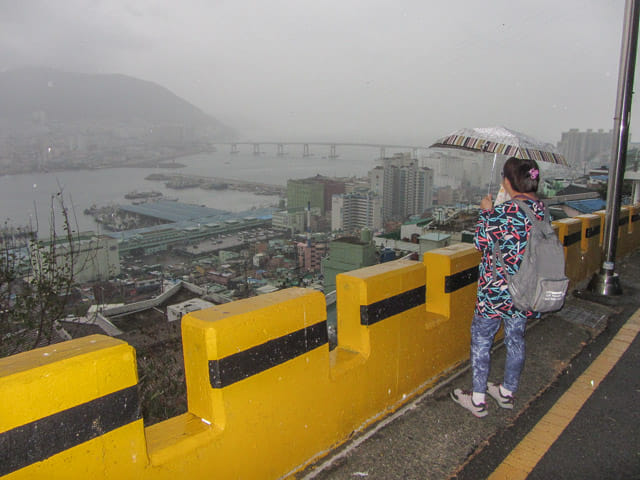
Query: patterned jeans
482,332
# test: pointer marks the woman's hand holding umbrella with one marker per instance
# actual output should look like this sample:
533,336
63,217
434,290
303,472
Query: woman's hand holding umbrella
487,202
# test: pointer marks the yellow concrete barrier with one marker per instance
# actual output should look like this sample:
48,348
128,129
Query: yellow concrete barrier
570,235
603,219
628,229
452,279
591,250
635,225
393,321
257,372
380,313
625,245
373,293
71,411
452,284
265,394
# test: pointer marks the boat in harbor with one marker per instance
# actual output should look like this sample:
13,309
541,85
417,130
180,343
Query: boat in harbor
135,195
158,176
182,182
214,186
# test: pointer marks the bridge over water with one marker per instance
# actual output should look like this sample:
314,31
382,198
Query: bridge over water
306,147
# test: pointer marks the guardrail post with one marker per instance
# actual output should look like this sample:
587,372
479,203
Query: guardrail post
452,280
624,231
72,410
570,235
590,244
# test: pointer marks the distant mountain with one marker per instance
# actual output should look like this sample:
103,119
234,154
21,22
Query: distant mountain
76,97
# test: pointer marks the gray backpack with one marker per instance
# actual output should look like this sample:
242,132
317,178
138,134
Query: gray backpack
540,285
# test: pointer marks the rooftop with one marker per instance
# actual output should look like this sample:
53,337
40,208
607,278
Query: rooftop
185,216
173,211
572,190
435,236
587,206
350,240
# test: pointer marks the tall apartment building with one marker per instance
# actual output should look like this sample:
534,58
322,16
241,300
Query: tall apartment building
456,168
581,147
302,192
405,187
317,190
356,210
423,191
376,180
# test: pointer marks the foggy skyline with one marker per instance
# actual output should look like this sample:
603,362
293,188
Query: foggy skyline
395,72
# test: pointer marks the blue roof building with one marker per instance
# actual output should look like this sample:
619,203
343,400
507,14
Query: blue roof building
587,206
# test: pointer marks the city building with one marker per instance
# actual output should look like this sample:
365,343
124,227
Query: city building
432,240
458,168
411,230
292,221
354,211
405,187
393,242
304,192
423,193
331,187
177,311
310,255
91,258
445,196
316,191
581,147
346,254
376,180
415,236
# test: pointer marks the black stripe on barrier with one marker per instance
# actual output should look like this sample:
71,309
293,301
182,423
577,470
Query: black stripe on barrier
375,312
623,220
48,436
571,239
592,231
461,279
635,217
241,365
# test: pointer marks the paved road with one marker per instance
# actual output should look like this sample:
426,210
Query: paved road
603,439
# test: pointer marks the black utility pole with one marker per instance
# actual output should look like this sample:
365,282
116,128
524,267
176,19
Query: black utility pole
606,282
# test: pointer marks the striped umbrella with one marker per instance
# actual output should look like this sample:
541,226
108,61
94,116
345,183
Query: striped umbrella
502,141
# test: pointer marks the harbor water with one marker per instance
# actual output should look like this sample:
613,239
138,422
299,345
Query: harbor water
26,199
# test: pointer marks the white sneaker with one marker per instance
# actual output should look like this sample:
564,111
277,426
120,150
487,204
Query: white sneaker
464,398
503,401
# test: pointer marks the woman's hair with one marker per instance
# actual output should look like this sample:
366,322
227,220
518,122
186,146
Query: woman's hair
524,175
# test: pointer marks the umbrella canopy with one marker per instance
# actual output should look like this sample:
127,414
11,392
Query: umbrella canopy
501,140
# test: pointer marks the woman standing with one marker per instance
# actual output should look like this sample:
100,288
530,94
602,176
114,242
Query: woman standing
507,226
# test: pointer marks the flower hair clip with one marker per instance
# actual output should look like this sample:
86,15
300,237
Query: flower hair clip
533,173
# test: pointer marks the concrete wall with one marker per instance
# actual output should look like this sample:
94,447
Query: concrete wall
266,396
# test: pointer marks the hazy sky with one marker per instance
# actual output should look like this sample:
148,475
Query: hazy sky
344,70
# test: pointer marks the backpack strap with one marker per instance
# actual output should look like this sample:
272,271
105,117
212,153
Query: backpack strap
530,214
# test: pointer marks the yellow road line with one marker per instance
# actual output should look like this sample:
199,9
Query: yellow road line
523,459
